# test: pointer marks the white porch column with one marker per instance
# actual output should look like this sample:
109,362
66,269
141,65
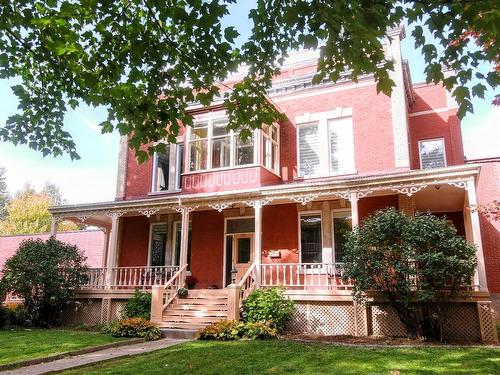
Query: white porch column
53,226
354,210
476,234
105,247
184,236
257,243
112,246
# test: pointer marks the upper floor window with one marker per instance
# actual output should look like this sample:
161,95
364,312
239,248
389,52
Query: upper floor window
213,146
167,168
325,146
270,147
432,153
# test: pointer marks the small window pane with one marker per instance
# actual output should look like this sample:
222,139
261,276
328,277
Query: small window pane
199,130
341,145
219,127
240,225
179,165
221,152
244,250
342,226
309,150
162,171
198,156
310,239
158,243
244,151
432,154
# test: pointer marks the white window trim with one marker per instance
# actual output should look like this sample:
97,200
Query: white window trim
321,119
151,225
232,134
430,140
337,213
266,138
309,213
172,172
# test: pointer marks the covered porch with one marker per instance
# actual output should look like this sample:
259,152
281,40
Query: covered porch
291,235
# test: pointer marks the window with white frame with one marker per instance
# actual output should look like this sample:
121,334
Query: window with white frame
311,244
167,169
325,146
213,146
157,244
270,147
432,153
342,226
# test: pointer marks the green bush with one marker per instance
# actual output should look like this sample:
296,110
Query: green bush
44,274
228,330
139,306
133,327
270,306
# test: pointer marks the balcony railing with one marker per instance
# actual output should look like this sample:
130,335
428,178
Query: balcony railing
129,277
305,275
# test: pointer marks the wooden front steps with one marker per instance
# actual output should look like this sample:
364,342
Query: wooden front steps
200,308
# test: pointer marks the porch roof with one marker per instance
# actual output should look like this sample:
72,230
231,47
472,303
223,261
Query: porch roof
406,182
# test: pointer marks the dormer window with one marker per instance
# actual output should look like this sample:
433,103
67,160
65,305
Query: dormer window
432,153
167,168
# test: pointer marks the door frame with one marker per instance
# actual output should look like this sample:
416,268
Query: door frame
224,263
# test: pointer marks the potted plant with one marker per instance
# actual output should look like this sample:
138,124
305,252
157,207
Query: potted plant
182,292
191,281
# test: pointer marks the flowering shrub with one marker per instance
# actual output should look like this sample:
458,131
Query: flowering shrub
228,330
133,327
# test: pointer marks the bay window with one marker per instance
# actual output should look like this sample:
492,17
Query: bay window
213,146
325,144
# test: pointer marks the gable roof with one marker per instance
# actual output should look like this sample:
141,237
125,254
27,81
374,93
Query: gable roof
90,242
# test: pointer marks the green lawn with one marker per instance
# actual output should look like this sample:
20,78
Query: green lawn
278,357
22,344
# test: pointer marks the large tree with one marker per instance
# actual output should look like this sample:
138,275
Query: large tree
146,60
28,213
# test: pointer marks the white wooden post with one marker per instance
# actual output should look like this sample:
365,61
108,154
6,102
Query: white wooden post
157,292
111,256
184,236
233,302
257,250
53,227
354,210
476,234
105,247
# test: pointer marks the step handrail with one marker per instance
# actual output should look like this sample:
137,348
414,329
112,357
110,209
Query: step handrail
247,283
172,286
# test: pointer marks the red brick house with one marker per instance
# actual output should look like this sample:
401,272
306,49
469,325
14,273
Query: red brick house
274,209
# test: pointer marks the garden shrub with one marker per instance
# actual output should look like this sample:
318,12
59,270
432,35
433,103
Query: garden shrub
11,316
270,306
228,330
44,274
133,327
139,306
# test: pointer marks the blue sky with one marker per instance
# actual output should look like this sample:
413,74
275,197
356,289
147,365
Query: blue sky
93,177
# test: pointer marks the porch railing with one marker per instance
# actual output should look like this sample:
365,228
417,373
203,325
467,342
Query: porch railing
141,277
247,283
96,278
163,295
305,275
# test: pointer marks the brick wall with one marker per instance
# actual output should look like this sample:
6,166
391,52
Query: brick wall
133,250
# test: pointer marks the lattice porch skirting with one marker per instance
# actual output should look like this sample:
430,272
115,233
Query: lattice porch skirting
467,322
93,311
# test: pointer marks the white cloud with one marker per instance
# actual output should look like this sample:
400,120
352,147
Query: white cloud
481,135
78,185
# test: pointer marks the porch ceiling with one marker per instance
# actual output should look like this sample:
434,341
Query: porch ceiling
439,198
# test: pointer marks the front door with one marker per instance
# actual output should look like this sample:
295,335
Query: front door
242,256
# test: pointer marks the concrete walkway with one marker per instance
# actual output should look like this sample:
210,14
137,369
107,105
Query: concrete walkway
90,358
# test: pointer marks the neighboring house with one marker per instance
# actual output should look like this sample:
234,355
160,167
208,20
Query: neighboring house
274,210
90,243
